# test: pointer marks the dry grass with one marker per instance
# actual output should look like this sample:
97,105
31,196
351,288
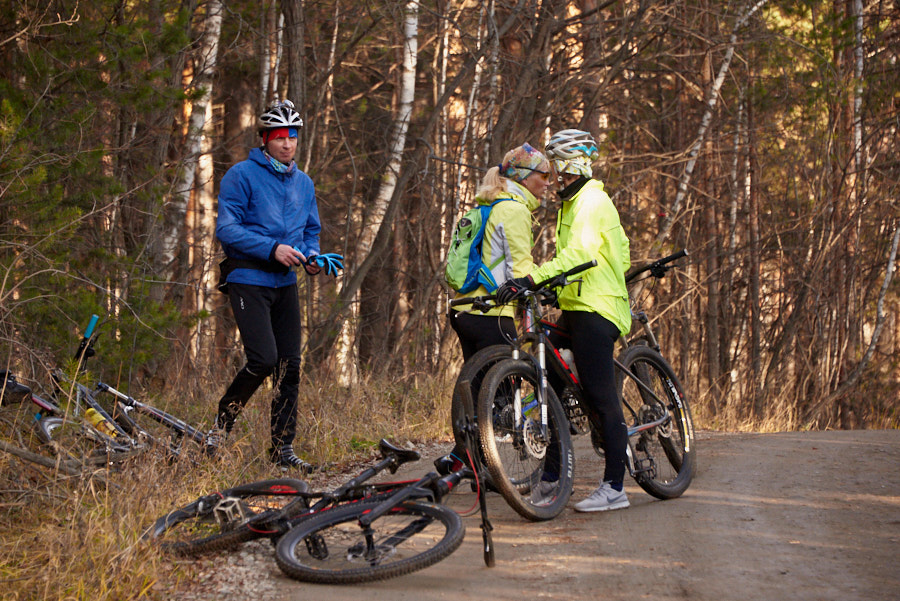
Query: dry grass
64,538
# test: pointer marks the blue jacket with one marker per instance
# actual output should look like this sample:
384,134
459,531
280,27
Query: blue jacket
259,209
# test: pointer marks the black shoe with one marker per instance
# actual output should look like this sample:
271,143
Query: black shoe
447,464
286,459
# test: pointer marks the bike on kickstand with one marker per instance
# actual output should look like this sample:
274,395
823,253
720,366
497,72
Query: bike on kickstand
526,441
361,531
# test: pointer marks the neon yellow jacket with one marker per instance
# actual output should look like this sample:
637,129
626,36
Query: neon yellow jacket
508,240
588,228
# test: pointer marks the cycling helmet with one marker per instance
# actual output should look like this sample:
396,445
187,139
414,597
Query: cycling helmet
279,114
573,151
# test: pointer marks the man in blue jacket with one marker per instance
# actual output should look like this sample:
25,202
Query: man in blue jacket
268,222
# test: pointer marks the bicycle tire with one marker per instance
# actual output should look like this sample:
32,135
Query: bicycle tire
331,547
223,520
73,440
474,371
665,455
18,427
535,476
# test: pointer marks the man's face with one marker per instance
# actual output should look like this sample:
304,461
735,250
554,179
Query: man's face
282,149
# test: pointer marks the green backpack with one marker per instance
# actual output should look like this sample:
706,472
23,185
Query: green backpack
465,269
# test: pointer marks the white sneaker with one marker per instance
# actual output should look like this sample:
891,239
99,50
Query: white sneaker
603,499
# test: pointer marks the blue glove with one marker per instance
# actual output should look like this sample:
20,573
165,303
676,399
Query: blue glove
513,289
331,262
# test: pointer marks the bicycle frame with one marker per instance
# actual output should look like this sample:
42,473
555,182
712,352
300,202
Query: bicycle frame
129,404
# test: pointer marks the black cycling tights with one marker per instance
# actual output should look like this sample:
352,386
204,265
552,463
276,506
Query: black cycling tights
592,339
476,332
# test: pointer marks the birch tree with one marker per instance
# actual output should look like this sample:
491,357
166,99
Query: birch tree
347,350
175,210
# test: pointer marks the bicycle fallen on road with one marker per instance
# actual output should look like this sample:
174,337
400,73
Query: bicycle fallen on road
359,532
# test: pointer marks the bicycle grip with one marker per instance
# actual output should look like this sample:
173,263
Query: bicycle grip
582,267
89,331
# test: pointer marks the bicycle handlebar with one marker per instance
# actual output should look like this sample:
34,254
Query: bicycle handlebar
480,303
91,325
85,347
659,267
549,282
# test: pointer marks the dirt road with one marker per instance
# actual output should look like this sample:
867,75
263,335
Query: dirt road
801,516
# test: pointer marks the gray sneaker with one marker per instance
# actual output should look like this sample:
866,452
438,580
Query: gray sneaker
603,499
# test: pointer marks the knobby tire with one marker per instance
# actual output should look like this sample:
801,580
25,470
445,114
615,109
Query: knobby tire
332,547
533,475
195,529
665,456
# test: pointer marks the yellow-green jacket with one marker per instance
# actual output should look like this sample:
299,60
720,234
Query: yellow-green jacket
588,228
508,240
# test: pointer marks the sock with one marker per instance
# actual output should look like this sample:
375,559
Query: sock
617,486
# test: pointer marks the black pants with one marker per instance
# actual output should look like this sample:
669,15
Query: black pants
592,339
269,322
476,332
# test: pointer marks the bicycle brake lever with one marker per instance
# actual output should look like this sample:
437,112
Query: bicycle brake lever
481,305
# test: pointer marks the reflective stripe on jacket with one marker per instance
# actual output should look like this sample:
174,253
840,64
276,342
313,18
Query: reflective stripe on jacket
588,228
260,208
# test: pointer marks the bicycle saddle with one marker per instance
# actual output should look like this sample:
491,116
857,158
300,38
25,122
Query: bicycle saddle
402,455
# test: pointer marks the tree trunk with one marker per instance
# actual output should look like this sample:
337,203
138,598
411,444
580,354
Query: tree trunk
347,350
171,244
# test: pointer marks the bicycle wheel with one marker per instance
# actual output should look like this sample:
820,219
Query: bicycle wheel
533,471
332,547
74,440
474,371
225,519
664,455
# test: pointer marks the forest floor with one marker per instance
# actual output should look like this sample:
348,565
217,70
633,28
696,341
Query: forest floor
802,516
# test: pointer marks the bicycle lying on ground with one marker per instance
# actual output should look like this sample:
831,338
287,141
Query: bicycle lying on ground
82,429
359,532
526,442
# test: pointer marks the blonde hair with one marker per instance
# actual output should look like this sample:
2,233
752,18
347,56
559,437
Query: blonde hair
492,185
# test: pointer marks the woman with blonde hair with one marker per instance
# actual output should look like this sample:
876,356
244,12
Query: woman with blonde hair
522,178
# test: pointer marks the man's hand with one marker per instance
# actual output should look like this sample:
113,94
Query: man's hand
311,266
513,288
331,262
286,255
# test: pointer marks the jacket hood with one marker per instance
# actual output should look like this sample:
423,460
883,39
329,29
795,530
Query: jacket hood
519,192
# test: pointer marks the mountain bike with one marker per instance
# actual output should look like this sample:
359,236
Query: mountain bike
359,532
78,426
526,443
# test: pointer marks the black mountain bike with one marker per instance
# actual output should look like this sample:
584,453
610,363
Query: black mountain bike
526,443
359,532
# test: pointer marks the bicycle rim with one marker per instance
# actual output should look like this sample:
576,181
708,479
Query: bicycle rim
332,548
664,455
221,521
533,470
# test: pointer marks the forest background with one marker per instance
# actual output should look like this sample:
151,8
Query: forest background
762,136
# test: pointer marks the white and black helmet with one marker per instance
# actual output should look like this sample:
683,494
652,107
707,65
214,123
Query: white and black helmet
280,114
572,151
572,143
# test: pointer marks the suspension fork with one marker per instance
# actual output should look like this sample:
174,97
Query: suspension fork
540,360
